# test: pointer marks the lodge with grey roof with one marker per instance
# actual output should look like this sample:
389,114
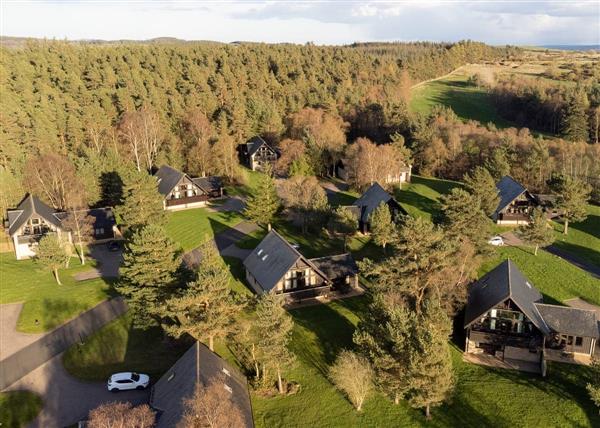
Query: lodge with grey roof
275,266
516,202
505,317
180,191
256,154
369,201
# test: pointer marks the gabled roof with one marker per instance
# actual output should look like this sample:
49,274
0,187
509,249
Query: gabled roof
566,320
338,266
371,199
29,206
168,177
508,190
504,282
272,258
256,143
208,184
198,364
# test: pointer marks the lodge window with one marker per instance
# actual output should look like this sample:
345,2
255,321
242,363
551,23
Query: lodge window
99,231
578,341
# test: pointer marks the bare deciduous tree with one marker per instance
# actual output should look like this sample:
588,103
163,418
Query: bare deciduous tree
353,375
121,415
200,131
211,406
52,176
142,132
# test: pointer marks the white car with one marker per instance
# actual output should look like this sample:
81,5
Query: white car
496,241
127,380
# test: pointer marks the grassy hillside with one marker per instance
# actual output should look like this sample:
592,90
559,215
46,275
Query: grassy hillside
467,101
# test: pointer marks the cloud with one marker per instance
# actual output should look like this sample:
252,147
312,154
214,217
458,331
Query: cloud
324,22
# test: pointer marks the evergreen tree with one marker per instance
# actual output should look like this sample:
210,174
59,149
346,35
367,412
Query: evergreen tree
148,274
207,307
344,223
382,339
275,326
52,254
464,217
262,205
382,226
574,125
430,380
482,185
498,164
301,167
593,387
537,232
571,201
142,204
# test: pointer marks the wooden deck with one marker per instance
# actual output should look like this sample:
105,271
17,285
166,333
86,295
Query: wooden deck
508,363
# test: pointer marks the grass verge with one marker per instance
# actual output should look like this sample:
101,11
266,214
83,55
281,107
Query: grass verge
17,408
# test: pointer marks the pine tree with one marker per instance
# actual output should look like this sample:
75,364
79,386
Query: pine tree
464,217
482,185
574,126
148,274
142,204
498,164
52,254
344,222
571,201
430,380
382,339
207,307
593,387
381,225
262,205
537,232
275,326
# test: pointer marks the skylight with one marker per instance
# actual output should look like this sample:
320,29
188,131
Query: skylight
265,257
260,252
528,284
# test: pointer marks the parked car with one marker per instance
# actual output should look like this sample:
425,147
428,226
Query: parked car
113,246
127,380
496,241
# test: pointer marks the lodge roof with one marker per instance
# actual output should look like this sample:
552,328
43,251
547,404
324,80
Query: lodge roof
371,199
256,143
198,365
272,258
29,206
208,184
338,266
508,190
504,282
566,320
168,177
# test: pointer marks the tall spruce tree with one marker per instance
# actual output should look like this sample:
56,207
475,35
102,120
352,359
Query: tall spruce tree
52,254
537,232
574,125
382,225
275,326
571,199
148,275
593,387
498,164
207,307
430,380
464,217
481,184
263,204
142,204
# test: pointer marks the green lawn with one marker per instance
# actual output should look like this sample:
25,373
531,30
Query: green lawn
467,101
248,180
421,196
484,396
44,300
17,408
583,238
120,347
189,228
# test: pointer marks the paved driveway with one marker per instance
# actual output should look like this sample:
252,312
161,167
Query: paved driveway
10,339
66,399
108,263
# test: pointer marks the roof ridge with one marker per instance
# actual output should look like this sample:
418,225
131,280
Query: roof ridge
566,307
509,281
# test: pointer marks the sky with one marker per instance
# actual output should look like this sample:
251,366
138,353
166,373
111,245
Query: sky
518,22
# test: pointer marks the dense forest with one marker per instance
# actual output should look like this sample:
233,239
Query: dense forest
79,100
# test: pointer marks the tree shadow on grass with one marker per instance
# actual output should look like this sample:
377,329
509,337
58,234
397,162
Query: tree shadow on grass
17,408
55,311
320,334
418,201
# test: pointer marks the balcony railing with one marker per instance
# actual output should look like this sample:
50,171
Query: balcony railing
186,200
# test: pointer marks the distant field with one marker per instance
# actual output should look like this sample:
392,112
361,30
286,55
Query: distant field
467,101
